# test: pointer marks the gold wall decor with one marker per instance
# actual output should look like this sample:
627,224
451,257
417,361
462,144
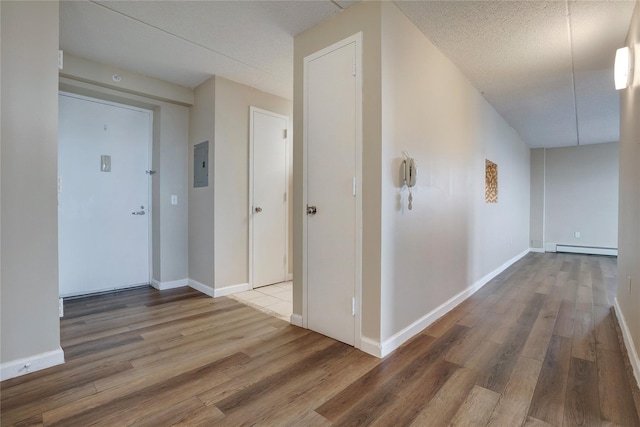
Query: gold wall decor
491,182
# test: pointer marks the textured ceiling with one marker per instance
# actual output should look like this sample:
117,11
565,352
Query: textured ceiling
545,66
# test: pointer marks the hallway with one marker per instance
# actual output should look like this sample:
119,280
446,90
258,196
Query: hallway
537,346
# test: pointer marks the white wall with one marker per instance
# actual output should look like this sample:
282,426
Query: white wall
628,300
30,330
452,238
580,188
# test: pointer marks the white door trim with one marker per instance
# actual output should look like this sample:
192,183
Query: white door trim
149,168
253,109
357,39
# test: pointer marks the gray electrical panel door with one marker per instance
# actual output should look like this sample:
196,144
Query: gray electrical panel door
201,164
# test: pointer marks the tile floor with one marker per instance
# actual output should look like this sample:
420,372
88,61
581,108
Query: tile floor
276,300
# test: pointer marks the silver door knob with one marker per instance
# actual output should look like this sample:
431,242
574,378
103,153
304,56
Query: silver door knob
258,209
311,210
141,212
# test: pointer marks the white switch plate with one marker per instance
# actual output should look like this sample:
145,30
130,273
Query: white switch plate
174,199
576,234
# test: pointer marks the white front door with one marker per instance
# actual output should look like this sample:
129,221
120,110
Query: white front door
332,195
103,195
268,204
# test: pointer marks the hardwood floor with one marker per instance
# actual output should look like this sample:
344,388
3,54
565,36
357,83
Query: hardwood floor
537,346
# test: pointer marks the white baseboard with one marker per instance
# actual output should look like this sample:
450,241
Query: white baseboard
296,320
549,247
26,365
538,250
371,346
232,289
207,290
628,342
405,334
588,250
161,286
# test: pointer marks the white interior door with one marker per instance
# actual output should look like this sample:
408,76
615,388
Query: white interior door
268,214
332,220
103,202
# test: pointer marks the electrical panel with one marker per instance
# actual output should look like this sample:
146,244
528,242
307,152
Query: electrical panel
201,165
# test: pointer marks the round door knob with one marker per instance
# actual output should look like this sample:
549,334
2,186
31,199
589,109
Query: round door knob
258,209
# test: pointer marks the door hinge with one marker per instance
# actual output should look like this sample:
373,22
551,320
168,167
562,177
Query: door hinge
353,70
355,185
353,306
285,134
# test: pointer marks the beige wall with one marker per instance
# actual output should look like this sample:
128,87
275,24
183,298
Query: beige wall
232,102
629,201
169,156
415,99
365,17
536,230
575,189
218,214
29,243
452,238
201,207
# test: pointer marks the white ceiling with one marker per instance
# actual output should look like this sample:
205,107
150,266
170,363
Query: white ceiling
547,67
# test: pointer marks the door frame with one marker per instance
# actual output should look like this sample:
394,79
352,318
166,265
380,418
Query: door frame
149,167
357,39
253,110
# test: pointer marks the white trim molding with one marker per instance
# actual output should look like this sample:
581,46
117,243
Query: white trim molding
207,290
589,250
628,342
413,329
296,319
26,365
371,346
232,289
161,286
537,250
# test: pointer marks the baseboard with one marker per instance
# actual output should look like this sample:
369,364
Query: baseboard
34,363
588,250
537,250
405,334
207,290
549,247
628,342
371,346
162,286
232,289
296,320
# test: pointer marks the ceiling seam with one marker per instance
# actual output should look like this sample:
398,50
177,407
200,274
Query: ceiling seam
184,39
573,71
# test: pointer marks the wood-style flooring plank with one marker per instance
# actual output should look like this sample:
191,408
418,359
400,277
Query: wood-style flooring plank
548,399
582,400
513,405
536,346
476,408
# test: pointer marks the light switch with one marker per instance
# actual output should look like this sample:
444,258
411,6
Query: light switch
576,234
174,199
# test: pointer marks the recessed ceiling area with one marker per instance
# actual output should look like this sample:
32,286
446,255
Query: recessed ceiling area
546,66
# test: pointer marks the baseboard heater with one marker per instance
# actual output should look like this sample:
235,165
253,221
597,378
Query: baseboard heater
590,250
